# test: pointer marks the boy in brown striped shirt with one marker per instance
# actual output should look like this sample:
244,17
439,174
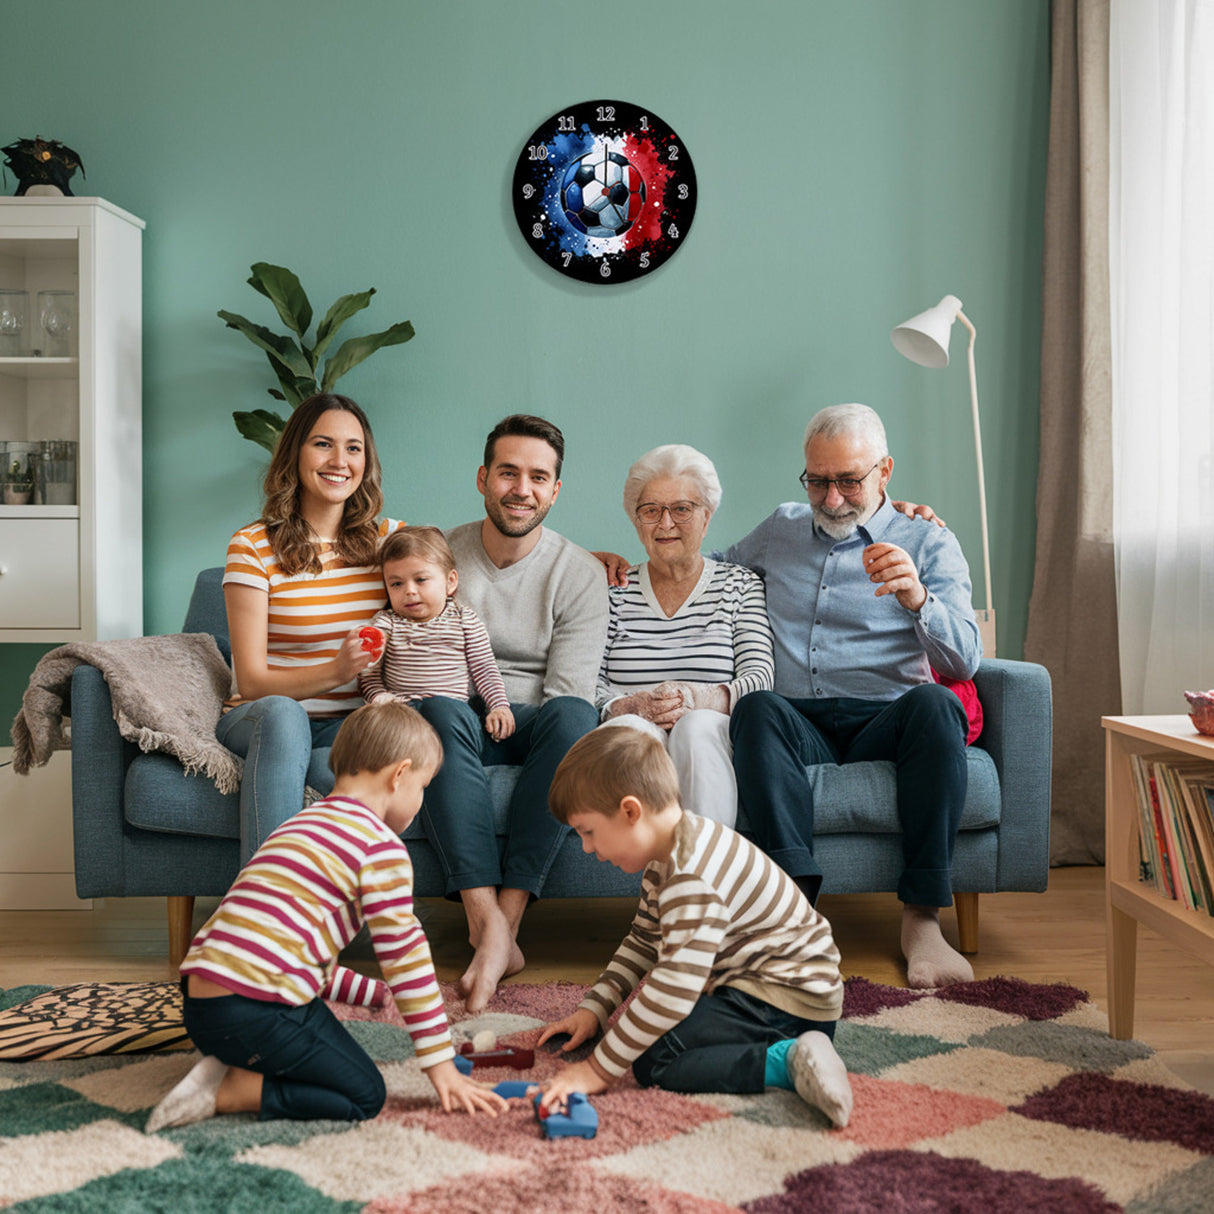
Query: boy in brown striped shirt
743,988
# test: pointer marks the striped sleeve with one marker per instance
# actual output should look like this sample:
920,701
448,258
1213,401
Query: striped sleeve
694,924
753,646
481,664
349,986
403,952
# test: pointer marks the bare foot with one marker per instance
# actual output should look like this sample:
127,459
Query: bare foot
497,956
930,960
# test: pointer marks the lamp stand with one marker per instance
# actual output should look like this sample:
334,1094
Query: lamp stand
986,619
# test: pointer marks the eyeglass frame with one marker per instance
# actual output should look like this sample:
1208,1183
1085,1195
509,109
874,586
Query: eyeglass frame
668,508
824,482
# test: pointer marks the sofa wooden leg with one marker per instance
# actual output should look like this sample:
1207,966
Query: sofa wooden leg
967,921
181,920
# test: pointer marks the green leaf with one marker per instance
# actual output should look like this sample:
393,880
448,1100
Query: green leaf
351,353
282,350
337,316
284,291
261,427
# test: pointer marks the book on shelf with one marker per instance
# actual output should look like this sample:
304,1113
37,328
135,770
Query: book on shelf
1175,797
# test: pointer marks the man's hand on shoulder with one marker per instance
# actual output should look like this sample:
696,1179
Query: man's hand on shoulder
895,573
918,510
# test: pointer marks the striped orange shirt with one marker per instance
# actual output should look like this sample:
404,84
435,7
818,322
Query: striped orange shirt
310,613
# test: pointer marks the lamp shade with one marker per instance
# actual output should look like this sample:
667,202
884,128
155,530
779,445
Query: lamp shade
924,338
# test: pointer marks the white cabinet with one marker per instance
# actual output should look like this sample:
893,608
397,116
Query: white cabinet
71,559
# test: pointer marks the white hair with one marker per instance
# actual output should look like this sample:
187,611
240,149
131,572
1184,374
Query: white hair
673,459
853,421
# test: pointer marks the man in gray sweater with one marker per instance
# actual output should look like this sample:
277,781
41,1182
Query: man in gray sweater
544,602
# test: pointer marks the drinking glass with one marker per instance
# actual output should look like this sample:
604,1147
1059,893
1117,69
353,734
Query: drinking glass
57,317
14,314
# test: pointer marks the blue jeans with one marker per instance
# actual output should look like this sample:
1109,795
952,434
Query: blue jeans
283,749
457,812
721,1045
923,731
312,1067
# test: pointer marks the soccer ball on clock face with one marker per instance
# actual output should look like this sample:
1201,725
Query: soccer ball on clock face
602,194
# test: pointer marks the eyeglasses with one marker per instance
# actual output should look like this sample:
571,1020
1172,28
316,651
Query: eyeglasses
681,513
847,485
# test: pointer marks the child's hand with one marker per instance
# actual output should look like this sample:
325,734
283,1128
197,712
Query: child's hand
576,1077
581,1025
499,723
456,1091
382,697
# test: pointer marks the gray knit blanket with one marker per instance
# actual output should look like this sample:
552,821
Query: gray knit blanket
168,693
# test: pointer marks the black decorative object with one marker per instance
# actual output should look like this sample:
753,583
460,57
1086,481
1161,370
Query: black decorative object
42,162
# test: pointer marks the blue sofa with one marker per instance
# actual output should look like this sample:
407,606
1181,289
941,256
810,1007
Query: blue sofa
142,827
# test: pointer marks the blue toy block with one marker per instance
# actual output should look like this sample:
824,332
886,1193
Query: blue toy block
578,1121
509,1088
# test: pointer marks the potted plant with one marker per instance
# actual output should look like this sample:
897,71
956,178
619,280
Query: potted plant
294,360
18,484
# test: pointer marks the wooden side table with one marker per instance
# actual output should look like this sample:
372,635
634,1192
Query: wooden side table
1129,901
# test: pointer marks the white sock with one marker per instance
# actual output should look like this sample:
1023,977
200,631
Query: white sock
819,1076
930,960
193,1099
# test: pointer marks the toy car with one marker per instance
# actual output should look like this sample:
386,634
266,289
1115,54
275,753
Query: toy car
579,1120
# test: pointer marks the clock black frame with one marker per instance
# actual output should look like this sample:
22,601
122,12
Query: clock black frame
659,191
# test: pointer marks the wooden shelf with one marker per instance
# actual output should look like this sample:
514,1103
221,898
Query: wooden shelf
1129,901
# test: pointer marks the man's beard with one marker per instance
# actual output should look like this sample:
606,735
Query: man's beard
837,528
512,527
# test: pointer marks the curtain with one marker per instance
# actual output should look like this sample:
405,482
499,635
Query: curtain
1161,249
1072,625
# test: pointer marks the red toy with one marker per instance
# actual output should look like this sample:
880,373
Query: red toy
505,1055
372,639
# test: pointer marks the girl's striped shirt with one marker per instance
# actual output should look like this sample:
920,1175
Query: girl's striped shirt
302,898
435,658
716,912
310,613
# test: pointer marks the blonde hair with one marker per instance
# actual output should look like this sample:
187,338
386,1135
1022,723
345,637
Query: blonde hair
376,736
607,765
291,539
427,542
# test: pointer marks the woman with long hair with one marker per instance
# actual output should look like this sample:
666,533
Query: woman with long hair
298,585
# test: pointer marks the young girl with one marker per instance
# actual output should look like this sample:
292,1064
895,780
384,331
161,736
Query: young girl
432,643
255,976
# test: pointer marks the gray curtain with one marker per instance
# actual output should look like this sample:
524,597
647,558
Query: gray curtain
1072,625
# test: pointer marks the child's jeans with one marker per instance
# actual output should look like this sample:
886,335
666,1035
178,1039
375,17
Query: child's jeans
721,1045
313,1068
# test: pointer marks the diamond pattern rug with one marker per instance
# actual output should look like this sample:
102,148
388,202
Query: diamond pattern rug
987,1097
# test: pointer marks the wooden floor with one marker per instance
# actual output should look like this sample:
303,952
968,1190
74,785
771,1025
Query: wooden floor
1057,936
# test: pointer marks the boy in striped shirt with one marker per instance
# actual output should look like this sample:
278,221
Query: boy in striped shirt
743,987
257,973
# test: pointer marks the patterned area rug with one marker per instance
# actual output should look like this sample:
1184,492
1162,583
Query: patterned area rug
993,1096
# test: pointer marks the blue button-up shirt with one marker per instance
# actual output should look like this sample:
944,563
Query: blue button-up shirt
833,635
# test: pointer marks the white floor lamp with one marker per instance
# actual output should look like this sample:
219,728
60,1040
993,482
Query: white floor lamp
924,340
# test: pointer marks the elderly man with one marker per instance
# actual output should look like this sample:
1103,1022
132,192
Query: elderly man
864,603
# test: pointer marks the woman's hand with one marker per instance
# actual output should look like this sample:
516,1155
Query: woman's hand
615,565
581,1024
663,710
499,723
456,1091
697,696
353,657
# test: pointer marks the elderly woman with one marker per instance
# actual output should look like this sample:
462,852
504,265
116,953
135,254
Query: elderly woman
687,636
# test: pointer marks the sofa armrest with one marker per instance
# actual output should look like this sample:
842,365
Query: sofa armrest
1017,732
100,757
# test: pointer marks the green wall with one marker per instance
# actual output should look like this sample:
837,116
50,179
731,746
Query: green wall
855,163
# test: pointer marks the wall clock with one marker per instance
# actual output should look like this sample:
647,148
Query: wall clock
604,191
